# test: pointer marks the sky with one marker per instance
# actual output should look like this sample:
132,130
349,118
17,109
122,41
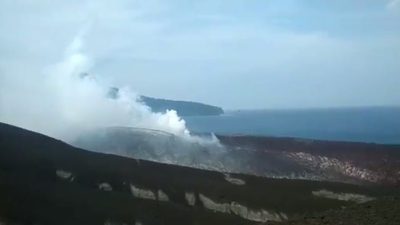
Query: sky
238,54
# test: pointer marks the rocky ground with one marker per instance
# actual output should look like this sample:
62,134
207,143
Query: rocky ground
384,211
290,158
44,181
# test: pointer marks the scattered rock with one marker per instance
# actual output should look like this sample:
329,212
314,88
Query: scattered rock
232,180
64,175
190,198
161,196
358,198
261,215
105,187
142,193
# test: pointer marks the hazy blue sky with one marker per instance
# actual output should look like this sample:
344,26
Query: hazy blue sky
232,53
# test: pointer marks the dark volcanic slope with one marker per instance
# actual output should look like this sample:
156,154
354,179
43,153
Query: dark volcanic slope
336,161
385,211
358,163
45,181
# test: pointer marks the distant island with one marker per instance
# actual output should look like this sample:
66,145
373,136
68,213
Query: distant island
183,108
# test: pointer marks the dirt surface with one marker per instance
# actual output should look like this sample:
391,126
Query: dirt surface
384,211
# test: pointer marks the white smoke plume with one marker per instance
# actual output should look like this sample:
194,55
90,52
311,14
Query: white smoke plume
68,100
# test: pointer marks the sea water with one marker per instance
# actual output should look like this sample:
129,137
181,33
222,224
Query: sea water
373,124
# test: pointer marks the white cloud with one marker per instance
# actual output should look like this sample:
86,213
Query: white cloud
63,103
393,5
174,49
